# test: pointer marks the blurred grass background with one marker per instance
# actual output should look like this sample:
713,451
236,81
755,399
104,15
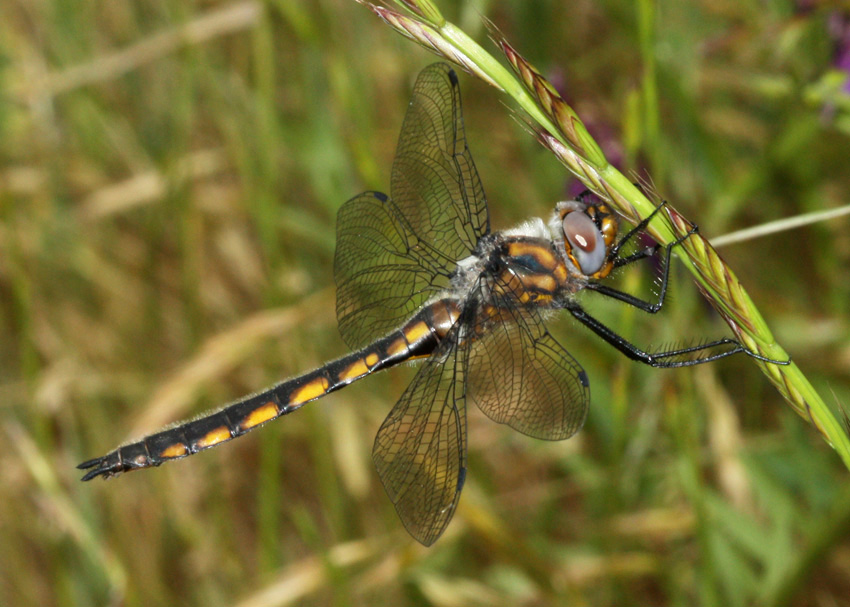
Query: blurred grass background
169,178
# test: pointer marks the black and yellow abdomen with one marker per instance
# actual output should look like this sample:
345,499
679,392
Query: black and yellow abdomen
417,338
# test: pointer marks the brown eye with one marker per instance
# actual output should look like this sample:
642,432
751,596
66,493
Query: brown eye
584,241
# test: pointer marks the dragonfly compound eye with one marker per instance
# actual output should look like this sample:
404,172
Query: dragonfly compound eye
584,242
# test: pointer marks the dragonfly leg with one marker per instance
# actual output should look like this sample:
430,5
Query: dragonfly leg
666,358
646,306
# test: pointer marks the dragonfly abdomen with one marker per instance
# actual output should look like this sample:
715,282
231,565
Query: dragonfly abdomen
417,338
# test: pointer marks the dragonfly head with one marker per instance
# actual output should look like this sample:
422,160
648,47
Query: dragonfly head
589,230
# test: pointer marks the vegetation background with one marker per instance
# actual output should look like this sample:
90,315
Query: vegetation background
170,173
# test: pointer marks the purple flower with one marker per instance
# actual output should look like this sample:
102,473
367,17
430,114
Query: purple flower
839,30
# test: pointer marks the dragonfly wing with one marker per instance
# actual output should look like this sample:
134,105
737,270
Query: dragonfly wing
521,376
393,254
434,180
420,450
381,280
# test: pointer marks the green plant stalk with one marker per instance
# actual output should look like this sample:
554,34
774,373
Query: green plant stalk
562,131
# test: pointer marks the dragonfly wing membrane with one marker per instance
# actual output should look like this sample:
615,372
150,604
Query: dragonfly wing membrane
393,254
420,449
521,376
381,280
434,180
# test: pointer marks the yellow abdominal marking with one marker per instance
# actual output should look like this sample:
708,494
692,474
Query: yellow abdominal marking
416,332
309,391
214,437
356,369
397,347
372,360
259,415
175,450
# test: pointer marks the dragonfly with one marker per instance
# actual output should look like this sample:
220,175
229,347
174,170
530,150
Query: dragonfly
420,275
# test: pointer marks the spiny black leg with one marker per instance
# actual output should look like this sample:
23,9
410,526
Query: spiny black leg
642,254
655,359
640,227
661,359
637,302
619,262
642,304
